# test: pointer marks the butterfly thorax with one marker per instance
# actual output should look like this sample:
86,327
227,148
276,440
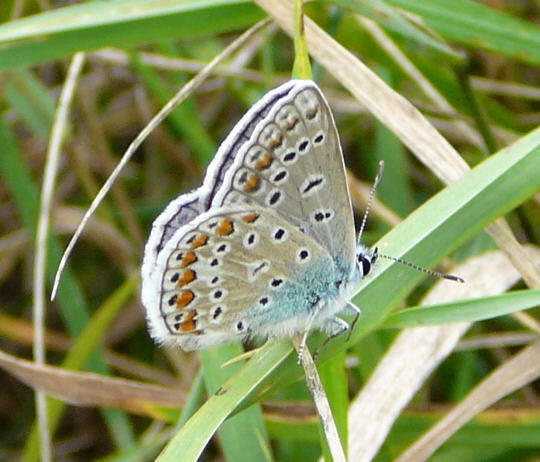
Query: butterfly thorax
315,296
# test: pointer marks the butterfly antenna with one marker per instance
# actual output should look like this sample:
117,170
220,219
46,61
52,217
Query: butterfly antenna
436,274
378,177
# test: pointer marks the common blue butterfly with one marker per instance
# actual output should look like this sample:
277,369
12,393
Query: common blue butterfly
266,246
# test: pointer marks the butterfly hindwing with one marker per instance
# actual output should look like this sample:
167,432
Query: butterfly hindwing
179,212
218,278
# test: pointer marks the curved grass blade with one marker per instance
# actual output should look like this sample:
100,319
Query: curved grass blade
477,309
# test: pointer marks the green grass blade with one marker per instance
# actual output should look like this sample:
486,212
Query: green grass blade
29,98
472,310
389,18
471,23
188,444
243,436
88,26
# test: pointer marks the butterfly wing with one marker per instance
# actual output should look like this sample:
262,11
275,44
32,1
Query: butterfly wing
188,206
177,213
282,164
234,271
293,165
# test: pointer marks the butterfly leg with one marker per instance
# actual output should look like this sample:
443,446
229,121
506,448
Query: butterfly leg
335,327
352,308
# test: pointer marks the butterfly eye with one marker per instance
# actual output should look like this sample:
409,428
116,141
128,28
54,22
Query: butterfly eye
366,267
364,263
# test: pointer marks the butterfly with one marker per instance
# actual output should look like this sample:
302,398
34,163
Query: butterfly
266,247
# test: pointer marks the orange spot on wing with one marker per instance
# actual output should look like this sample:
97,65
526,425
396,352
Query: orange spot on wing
184,299
291,123
252,183
188,259
264,162
190,315
187,277
276,140
225,227
200,241
250,217
188,326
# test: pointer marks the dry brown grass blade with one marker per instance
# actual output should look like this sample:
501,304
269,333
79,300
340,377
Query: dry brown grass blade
86,389
360,194
320,399
502,234
518,371
418,351
102,234
20,331
429,90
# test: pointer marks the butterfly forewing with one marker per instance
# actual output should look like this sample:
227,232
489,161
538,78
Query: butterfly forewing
188,206
293,165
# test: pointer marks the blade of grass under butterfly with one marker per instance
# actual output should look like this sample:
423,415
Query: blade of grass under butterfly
188,444
243,437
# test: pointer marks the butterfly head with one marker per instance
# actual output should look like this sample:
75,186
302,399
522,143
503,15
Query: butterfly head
366,259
